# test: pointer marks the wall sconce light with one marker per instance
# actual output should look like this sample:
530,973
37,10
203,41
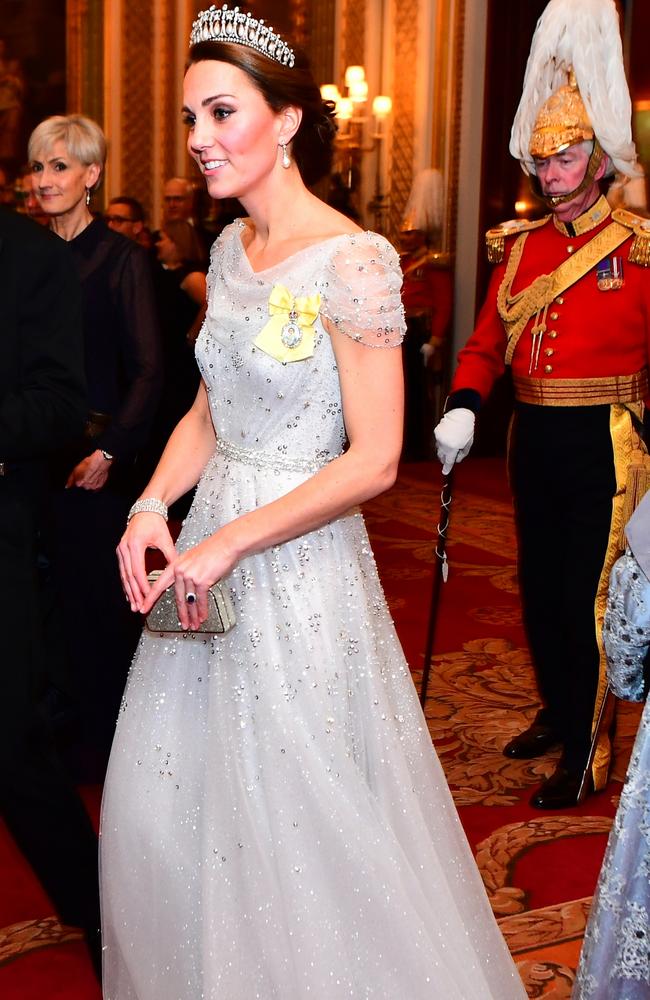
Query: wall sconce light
356,135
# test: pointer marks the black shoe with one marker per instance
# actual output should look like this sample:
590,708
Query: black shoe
533,742
560,791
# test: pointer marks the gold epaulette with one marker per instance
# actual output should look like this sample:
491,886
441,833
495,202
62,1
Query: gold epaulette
640,226
495,239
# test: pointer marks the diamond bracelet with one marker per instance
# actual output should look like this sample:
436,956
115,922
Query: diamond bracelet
148,505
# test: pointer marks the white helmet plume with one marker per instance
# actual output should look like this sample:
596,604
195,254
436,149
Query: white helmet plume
424,206
583,35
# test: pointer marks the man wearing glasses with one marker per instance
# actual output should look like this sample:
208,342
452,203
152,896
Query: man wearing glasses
126,216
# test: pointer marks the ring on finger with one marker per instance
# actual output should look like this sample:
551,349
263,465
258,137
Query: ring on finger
190,597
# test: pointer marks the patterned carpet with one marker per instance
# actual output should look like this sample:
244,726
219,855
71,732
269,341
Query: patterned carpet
539,868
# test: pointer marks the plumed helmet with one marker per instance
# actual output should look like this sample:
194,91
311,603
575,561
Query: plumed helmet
575,86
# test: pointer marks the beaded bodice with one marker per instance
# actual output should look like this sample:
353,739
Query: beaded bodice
292,410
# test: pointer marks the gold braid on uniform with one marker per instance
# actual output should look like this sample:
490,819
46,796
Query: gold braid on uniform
516,310
496,246
640,250
495,239
640,247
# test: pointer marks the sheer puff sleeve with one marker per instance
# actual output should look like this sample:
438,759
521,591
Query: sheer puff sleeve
361,291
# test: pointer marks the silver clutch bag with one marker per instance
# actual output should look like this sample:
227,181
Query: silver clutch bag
163,617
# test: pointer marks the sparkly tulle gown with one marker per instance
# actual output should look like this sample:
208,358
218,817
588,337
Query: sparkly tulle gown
276,825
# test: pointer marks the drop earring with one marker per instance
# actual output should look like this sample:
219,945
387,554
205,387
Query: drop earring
286,159
87,196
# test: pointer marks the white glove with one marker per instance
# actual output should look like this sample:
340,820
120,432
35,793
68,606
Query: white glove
426,351
454,436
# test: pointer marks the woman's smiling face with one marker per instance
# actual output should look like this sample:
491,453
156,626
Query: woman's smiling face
233,133
59,180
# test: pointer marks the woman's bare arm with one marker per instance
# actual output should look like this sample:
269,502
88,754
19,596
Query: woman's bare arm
372,395
179,469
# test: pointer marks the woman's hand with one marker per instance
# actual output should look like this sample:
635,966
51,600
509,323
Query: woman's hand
91,473
193,573
144,531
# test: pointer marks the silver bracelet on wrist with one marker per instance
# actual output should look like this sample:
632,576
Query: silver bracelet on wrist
148,505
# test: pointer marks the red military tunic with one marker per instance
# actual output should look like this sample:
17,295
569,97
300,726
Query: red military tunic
427,288
570,453
590,333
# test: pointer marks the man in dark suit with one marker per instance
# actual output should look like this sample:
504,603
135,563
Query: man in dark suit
42,404
180,203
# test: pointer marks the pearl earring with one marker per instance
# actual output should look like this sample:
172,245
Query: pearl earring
87,196
286,159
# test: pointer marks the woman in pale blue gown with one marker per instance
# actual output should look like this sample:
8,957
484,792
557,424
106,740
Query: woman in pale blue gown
615,959
276,824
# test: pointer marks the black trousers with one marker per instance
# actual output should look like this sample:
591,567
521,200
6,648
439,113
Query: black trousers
563,477
418,409
37,799
91,626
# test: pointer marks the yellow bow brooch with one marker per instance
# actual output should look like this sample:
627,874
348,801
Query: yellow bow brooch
289,334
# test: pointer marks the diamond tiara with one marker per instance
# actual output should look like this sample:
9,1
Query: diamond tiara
221,24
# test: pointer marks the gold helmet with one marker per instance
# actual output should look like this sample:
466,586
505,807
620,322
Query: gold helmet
575,87
562,121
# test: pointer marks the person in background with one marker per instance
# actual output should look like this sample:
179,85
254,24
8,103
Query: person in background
568,308
6,189
12,108
180,205
427,295
125,215
42,405
178,200
180,290
275,820
97,477
340,197
178,250
25,201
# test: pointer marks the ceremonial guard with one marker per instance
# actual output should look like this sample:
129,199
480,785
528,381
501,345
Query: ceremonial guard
427,296
568,309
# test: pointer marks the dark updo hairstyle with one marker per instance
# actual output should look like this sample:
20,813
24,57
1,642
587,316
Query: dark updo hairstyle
313,144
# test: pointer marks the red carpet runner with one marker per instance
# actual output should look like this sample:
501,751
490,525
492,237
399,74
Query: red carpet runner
539,868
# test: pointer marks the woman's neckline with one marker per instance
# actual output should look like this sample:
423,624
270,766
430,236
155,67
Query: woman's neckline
241,226
76,236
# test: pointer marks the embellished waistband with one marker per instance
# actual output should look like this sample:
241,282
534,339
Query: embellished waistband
276,461
582,391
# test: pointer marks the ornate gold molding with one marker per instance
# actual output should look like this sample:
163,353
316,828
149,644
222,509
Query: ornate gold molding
84,58
405,50
443,46
137,106
447,94
353,34
320,42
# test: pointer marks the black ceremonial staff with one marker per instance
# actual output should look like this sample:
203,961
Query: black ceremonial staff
585,785
440,573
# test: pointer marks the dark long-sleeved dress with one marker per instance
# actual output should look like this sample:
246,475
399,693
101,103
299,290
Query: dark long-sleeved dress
92,626
42,402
